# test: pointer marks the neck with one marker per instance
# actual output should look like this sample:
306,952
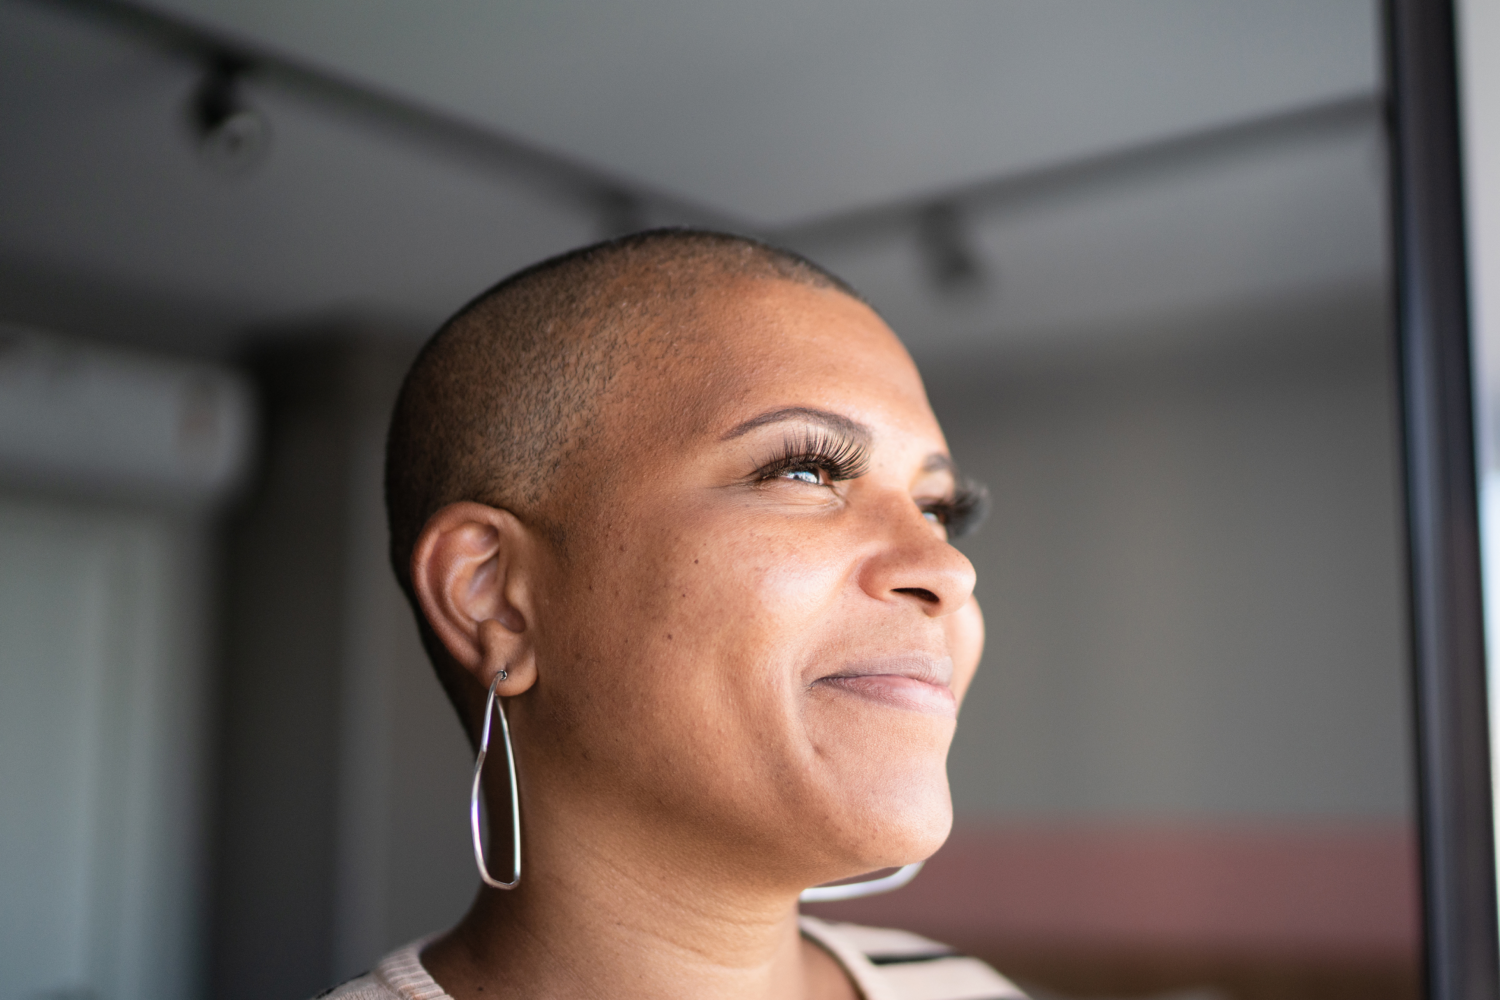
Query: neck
596,920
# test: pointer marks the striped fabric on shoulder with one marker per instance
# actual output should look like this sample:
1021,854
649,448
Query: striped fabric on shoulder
403,971
399,976
884,964
364,987
898,965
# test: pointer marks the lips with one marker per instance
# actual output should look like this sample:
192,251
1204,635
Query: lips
917,684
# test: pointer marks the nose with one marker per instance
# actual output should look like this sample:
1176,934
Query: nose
912,562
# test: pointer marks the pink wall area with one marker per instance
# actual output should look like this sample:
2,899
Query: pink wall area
1346,891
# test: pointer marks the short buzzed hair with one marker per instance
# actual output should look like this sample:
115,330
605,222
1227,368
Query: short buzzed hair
505,390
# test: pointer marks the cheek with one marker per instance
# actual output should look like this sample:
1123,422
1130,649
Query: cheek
966,640
752,587
695,635
681,686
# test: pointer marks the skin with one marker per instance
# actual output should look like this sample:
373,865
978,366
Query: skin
722,688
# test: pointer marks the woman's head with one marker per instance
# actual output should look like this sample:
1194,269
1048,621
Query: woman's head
688,492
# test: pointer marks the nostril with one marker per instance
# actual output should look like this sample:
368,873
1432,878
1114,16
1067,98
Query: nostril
926,596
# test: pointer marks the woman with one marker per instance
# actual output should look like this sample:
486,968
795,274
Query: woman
673,512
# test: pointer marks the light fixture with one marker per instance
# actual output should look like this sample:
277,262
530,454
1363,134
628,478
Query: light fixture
951,261
232,136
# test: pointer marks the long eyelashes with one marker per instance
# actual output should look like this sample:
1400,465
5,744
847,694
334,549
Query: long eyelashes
963,512
838,457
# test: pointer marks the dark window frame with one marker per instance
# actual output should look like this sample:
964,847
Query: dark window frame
1446,601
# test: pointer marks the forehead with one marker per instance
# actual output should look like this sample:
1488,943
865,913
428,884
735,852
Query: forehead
756,344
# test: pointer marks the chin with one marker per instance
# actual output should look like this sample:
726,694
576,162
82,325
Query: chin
916,834
897,822
879,796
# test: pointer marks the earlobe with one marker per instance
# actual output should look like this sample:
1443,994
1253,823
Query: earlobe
507,650
470,571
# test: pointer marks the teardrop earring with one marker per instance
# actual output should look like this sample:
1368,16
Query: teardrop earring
492,707
869,887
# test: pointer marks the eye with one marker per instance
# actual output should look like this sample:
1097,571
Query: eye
817,459
962,512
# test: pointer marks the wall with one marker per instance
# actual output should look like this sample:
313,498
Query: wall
1192,573
342,829
114,465
104,620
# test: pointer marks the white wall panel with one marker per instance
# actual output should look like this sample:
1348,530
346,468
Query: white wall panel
101,753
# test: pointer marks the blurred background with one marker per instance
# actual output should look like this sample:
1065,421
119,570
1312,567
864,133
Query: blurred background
1139,250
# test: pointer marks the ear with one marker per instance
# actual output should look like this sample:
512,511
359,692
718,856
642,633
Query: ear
473,570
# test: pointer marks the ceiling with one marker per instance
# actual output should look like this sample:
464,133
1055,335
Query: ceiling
1106,159
779,111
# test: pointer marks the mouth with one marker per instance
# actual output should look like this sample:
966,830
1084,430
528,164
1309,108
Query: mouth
916,683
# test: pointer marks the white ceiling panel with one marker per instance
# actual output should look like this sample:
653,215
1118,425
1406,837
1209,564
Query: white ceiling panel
1274,222
110,222
779,111
107,185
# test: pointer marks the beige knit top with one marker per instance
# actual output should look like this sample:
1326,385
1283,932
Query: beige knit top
883,964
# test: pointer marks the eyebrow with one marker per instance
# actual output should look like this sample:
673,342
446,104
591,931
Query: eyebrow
938,462
808,415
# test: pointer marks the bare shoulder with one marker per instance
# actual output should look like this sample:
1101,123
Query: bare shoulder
899,965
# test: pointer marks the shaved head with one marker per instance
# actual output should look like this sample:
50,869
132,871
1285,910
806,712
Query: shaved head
508,390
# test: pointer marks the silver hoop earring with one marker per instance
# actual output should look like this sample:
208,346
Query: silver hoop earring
869,887
491,707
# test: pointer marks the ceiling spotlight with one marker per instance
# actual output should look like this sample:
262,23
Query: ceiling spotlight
952,262
232,136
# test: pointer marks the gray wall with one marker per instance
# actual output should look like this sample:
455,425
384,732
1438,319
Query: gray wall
1192,575
104,657
342,827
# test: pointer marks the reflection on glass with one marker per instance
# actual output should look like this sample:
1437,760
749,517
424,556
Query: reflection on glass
1479,83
